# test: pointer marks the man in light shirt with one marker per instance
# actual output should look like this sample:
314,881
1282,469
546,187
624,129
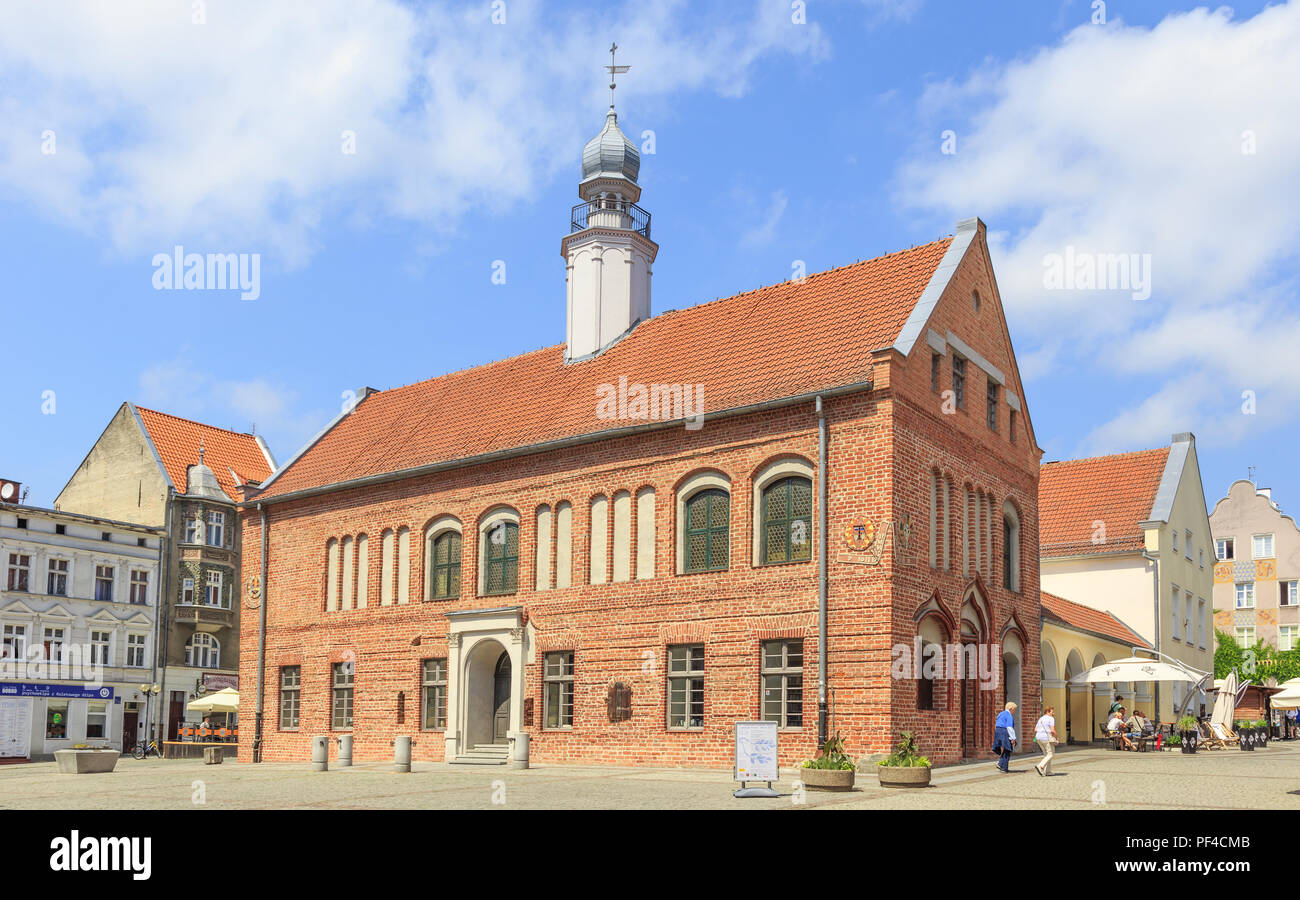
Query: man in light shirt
1045,735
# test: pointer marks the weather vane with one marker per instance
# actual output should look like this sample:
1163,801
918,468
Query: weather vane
613,70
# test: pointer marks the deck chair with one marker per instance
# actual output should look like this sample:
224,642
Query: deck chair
1224,733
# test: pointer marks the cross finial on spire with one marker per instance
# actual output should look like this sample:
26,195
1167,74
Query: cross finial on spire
200,451
613,70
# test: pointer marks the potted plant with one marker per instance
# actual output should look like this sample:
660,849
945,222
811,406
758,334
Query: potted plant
1244,733
83,759
832,770
1262,732
1186,736
904,768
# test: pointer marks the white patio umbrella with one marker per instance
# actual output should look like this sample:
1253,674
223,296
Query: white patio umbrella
1226,701
1287,699
1137,668
225,700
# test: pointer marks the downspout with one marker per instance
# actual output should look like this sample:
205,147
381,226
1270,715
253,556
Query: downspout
164,570
1155,590
822,519
261,648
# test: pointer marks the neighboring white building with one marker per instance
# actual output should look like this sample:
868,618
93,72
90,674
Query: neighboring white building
78,602
1129,535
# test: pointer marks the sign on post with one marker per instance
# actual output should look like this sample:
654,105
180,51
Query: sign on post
756,758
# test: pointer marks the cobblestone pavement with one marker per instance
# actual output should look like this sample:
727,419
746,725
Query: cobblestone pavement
1088,779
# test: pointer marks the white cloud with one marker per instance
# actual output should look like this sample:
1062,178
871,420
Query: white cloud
229,134
180,388
765,220
1130,140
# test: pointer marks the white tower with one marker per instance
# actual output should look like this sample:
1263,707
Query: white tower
608,250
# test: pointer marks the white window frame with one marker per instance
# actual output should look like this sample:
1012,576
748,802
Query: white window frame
1250,592
1292,598
210,647
1221,547
1254,542
137,641
209,584
1236,633
142,583
106,645
497,516
1292,632
15,635
66,573
1187,544
15,566
216,523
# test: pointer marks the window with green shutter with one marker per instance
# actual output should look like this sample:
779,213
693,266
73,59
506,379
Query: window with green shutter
446,565
708,515
787,521
502,558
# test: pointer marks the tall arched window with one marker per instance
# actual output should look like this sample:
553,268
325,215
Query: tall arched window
787,521
1010,547
499,556
203,651
444,565
708,517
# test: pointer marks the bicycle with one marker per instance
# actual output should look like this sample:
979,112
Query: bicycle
141,751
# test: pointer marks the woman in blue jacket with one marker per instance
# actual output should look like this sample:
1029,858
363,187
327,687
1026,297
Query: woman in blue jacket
1004,736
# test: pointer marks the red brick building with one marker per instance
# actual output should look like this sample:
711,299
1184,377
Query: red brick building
559,545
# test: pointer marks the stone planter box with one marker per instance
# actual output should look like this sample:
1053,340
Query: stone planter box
827,779
904,776
85,762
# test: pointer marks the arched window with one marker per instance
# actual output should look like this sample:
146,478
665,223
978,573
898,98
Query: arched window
1010,547
444,565
499,554
787,521
929,666
708,516
202,651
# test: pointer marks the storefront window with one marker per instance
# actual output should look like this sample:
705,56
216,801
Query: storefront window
56,719
96,718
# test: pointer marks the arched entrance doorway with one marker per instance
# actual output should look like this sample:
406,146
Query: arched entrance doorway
977,696
1078,715
487,694
1012,679
501,699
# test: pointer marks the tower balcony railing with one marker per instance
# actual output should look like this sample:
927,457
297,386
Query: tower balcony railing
608,212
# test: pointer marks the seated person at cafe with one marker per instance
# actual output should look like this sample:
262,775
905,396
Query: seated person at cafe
1116,727
1137,723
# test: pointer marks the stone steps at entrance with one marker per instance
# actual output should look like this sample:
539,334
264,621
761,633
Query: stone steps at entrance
484,755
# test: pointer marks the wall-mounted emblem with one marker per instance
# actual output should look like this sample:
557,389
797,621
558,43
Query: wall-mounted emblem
254,592
859,534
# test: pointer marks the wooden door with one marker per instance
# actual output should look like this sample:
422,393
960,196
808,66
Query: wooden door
130,724
501,700
175,715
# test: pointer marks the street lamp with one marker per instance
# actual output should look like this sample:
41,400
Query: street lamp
148,690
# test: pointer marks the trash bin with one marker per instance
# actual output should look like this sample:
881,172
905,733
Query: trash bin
320,753
519,749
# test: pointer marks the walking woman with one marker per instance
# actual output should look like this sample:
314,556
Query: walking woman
1045,735
1004,736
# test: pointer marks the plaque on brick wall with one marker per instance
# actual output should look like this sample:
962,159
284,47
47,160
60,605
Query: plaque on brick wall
619,702
528,712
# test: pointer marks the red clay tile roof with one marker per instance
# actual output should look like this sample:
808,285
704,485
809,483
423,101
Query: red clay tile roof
177,442
1076,615
780,341
1118,490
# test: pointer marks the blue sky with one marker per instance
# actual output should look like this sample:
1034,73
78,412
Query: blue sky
1168,131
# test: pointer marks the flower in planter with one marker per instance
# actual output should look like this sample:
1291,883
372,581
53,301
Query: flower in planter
905,756
831,756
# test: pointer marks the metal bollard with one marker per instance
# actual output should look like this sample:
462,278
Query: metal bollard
402,753
320,753
345,750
